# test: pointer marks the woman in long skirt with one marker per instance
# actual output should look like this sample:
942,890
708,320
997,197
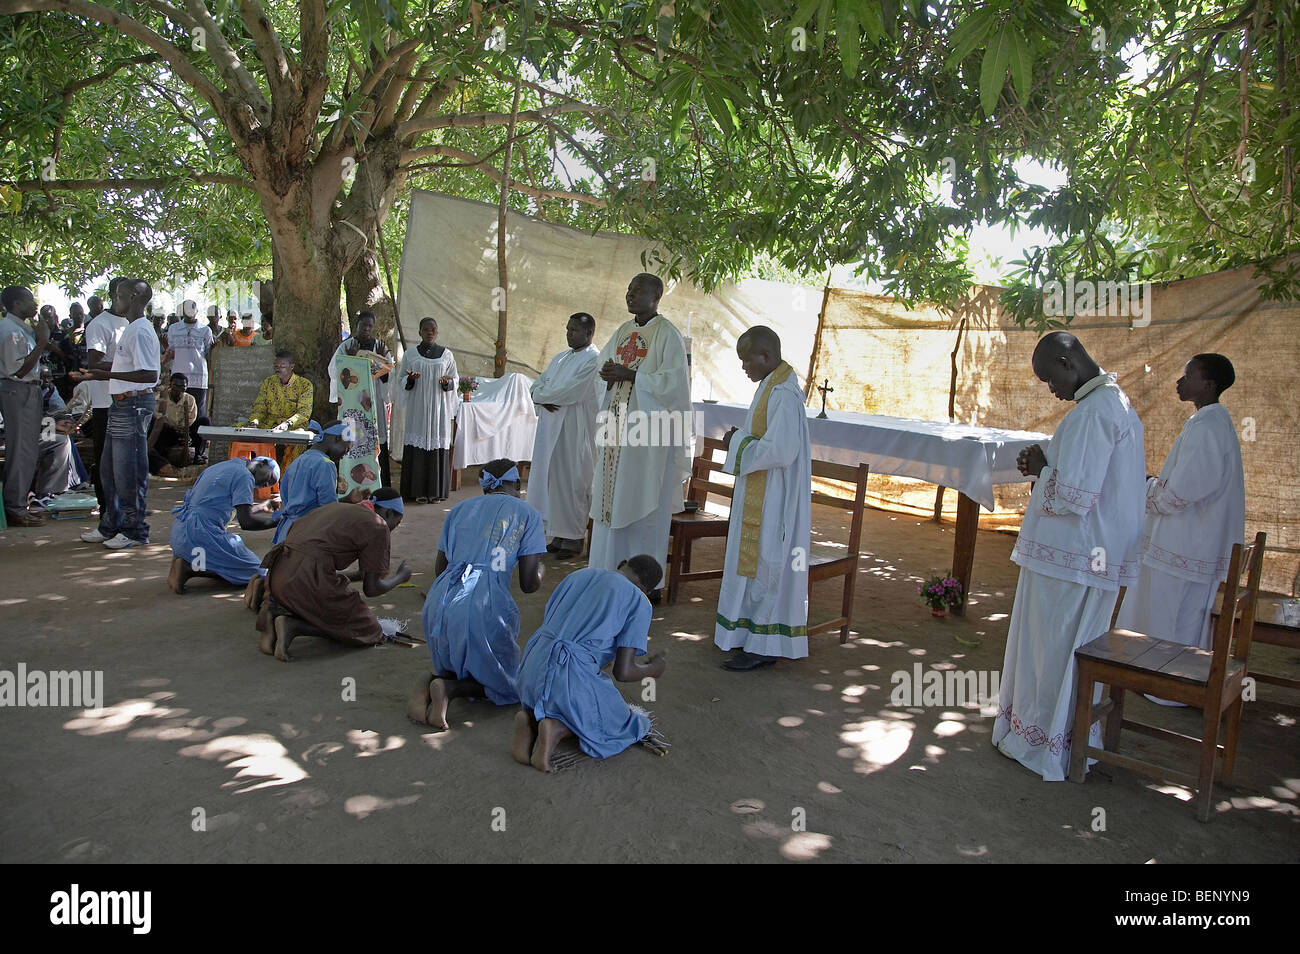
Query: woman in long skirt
426,390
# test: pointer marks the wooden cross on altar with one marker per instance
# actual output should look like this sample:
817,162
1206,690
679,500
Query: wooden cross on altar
825,389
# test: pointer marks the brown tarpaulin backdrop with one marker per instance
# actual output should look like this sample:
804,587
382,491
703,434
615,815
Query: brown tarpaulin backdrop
882,358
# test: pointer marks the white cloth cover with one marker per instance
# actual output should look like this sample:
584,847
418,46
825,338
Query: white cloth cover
422,416
1084,518
768,614
559,484
497,421
971,459
662,387
1050,619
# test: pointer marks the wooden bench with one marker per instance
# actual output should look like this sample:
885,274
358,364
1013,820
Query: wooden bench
825,562
1277,623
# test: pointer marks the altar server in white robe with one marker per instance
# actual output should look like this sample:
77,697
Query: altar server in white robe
1079,543
763,603
1195,512
644,438
568,397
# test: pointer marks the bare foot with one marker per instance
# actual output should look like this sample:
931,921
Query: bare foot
179,574
435,714
254,592
417,708
284,634
525,737
549,732
266,640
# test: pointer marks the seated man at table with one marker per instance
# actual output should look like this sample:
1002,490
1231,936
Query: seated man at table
283,403
176,422
200,544
594,618
1195,512
763,602
307,592
1078,545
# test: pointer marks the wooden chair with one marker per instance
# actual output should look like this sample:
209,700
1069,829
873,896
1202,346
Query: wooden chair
1207,680
688,527
825,563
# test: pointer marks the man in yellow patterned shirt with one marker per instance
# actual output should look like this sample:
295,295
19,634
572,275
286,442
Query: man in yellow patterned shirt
283,403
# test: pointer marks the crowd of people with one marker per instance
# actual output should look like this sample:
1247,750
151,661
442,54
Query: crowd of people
1095,521
74,400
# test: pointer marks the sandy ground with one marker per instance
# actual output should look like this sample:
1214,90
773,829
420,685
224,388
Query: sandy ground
804,761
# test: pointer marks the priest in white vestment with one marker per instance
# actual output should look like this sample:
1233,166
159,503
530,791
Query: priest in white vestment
1079,543
1195,512
644,437
568,397
763,603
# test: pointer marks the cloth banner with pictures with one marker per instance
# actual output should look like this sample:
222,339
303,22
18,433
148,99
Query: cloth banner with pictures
356,391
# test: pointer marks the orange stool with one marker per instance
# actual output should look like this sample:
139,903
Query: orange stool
248,450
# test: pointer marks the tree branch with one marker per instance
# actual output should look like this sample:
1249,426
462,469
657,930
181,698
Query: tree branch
125,185
452,120
284,87
169,52
468,160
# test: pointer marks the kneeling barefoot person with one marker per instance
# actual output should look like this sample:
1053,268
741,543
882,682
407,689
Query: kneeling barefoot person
593,618
471,621
200,544
307,593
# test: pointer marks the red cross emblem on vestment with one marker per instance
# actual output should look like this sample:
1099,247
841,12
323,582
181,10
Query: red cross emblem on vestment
632,350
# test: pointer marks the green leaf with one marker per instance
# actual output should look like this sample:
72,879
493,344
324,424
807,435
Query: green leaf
1022,65
804,13
873,21
847,38
969,34
823,23
993,71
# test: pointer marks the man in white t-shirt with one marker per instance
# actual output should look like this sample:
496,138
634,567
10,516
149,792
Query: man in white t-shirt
102,335
125,464
189,343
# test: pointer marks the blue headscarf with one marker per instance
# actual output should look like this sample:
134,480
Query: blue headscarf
489,482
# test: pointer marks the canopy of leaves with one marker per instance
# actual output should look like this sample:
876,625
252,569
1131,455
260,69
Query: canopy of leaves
807,134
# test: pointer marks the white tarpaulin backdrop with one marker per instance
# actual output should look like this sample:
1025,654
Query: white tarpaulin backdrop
449,271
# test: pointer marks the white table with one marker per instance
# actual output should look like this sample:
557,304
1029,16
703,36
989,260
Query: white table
969,459
499,420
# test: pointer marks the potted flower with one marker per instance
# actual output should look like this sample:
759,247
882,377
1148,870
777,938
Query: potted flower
939,593
467,387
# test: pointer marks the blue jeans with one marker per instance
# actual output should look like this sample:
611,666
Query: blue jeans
124,468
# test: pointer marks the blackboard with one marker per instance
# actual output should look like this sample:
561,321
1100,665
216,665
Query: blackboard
237,373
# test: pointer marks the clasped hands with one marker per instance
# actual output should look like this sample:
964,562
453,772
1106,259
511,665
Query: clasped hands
612,372
1031,461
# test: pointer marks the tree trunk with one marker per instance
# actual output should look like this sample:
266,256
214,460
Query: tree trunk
367,291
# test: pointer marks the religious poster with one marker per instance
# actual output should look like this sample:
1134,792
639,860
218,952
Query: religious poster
357,411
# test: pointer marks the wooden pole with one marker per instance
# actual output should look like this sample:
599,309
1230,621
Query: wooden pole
817,339
499,365
952,411
388,273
